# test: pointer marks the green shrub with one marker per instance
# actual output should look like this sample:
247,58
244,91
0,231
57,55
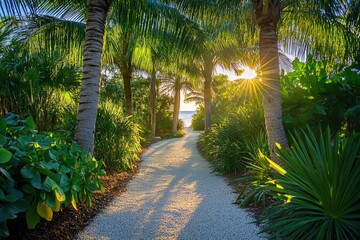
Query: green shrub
34,84
225,143
40,173
314,96
117,137
259,174
198,120
320,186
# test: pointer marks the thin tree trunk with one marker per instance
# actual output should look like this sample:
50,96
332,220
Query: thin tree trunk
207,74
126,70
153,102
127,77
89,94
269,63
176,105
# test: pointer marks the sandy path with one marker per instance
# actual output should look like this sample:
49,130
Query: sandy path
175,196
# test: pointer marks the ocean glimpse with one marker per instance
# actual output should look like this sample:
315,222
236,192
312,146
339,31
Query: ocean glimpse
186,116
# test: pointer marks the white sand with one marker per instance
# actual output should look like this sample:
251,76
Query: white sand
175,196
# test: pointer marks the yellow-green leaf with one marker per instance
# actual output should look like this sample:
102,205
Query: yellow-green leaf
277,167
57,205
73,203
44,211
59,195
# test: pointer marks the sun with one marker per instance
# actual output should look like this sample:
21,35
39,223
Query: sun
248,74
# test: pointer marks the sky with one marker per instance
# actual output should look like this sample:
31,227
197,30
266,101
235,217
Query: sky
232,76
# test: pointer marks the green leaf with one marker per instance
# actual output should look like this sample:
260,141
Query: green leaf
50,184
10,198
28,171
50,165
64,170
32,217
29,123
5,155
36,181
64,183
3,126
6,174
53,155
3,140
29,189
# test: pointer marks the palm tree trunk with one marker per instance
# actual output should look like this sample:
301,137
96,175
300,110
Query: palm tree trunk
153,102
126,70
269,63
127,77
176,105
89,94
207,74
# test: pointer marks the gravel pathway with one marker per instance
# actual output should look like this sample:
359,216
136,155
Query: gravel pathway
174,196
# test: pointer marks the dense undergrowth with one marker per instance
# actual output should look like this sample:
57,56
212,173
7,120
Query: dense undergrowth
42,170
314,193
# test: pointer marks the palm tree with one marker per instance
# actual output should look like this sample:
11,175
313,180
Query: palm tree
323,15
95,26
89,94
173,85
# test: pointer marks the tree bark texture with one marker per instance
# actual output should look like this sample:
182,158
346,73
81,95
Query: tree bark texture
126,70
153,102
269,63
207,74
89,94
176,105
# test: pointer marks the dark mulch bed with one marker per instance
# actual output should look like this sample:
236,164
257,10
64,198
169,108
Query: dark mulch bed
67,223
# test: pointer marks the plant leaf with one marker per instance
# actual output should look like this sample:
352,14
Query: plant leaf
44,211
5,155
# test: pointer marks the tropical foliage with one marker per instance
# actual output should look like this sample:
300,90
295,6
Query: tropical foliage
41,174
318,188
125,47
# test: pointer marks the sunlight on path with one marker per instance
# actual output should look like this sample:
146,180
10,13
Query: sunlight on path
173,197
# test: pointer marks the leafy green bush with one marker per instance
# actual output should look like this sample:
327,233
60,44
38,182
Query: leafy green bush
258,175
117,137
198,119
34,84
40,173
225,143
320,186
313,95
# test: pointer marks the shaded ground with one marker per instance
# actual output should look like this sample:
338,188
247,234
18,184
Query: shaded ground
174,196
69,222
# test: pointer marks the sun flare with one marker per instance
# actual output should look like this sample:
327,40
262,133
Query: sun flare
248,74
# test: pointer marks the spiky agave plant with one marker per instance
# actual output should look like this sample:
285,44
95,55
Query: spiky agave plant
320,185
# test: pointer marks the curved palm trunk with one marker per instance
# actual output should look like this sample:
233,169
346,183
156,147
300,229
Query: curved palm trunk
89,94
207,74
176,105
153,102
269,63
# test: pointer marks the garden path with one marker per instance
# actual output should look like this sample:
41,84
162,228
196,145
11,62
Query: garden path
174,196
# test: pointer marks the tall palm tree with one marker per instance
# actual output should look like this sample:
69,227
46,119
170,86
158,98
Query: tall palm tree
95,26
89,94
174,85
323,15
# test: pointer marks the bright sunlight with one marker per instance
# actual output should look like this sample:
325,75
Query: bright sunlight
248,73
